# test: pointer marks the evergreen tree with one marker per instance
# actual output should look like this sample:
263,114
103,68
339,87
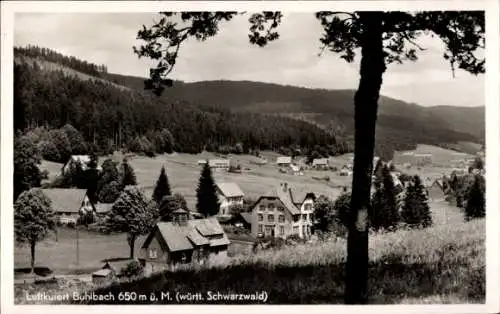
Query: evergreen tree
206,193
475,207
384,212
162,187
416,211
127,174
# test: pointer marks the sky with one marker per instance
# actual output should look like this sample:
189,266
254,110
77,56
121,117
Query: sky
108,38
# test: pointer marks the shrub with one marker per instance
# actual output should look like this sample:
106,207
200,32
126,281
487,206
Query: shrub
48,151
133,270
110,192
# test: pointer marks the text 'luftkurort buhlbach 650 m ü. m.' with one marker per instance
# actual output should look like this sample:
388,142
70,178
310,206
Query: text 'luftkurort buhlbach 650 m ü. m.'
168,297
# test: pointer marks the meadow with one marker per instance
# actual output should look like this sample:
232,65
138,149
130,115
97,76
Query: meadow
183,173
442,264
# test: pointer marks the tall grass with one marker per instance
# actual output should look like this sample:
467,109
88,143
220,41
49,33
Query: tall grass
441,264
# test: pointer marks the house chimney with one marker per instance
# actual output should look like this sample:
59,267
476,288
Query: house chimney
285,186
180,217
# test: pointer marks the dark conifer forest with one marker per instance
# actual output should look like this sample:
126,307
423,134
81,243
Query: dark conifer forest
113,111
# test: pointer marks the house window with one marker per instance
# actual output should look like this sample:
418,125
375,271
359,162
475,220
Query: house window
153,253
303,230
183,257
261,229
304,217
308,206
307,217
296,218
282,230
261,217
270,218
280,208
261,207
296,229
281,218
271,207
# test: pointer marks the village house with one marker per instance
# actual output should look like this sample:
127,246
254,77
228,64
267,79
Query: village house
111,271
83,160
282,213
216,164
70,204
229,194
345,171
284,161
184,242
103,209
295,170
320,164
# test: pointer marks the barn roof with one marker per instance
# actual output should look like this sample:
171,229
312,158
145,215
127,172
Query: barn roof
229,189
194,233
284,160
102,208
320,162
66,200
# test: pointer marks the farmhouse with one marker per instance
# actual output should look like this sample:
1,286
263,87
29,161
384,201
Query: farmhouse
345,171
295,170
83,160
216,164
282,213
284,161
183,242
230,195
70,204
102,209
320,163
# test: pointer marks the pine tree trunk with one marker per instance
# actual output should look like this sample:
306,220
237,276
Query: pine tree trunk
365,104
32,247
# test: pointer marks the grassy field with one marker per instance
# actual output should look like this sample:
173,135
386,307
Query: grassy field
442,264
59,253
183,173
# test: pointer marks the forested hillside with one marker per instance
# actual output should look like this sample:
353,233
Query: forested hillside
209,115
112,117
400,125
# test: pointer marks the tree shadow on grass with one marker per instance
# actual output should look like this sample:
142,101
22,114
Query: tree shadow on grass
319,284
39,271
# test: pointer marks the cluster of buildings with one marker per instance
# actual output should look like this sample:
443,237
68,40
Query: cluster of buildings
281,212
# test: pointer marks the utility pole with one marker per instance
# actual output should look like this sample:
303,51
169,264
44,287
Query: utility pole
77,246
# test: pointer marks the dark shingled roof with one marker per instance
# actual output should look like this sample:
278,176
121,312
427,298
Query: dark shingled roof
247,217
290,197
195,233
66,200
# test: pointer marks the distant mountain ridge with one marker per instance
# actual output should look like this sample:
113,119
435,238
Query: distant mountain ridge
400,125
275,98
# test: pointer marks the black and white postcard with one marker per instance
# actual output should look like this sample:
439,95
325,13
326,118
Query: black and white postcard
230,154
